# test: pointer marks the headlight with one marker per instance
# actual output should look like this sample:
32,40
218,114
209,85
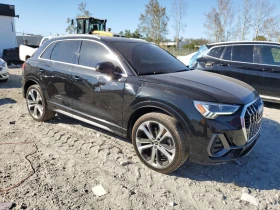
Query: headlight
3,63
213,110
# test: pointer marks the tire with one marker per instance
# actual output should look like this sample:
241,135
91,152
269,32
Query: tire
172,137
37,107
4,80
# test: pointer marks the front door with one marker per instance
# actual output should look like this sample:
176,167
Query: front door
96,96
270,75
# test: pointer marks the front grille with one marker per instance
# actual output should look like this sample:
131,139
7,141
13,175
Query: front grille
253,118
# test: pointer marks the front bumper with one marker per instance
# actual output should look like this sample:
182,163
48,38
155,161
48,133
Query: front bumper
227,137
231,152
4,73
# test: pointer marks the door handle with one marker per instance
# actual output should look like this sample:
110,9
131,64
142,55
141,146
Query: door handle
267,69
209,64
224,64
77,78
42,70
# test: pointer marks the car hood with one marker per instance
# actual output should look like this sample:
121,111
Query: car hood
221,88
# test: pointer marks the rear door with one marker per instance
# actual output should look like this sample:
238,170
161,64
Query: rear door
240,62
270,75
58,79
96,96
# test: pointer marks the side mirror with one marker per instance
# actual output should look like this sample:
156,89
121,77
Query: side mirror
106,68
110,69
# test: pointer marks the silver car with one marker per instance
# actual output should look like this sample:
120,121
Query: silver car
4,71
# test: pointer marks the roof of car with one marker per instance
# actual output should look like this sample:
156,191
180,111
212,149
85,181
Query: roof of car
103,38
242,42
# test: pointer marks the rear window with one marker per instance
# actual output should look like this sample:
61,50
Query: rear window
65,51
243,53
147,58
270,55
216,52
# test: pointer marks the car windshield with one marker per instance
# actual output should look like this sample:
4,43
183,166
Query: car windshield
202,49
147,58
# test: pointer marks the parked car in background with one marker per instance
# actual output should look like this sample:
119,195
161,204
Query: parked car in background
137,90
185,59
26,51
256,63
4,71
11,56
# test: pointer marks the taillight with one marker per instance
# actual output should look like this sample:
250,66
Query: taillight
23,66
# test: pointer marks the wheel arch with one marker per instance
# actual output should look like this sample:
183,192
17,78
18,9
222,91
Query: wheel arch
148,107
27,84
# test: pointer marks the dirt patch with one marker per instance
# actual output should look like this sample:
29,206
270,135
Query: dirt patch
74,157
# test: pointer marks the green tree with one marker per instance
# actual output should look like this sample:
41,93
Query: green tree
136,34
153,23
195,43
129,34
83,11
260,38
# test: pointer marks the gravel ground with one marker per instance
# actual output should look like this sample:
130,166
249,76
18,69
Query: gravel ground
70,158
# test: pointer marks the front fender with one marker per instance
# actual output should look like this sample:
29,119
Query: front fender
167,108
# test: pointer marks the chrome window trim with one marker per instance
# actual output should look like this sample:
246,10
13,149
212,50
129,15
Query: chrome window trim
241,61
242,119
77,65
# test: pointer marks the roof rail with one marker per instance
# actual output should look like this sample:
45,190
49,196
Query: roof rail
138,39
85,35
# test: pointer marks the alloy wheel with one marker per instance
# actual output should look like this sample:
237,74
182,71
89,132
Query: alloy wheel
35,103
155,144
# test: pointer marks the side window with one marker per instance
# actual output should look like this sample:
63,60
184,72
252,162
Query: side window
93,53
227,53
65,51
47,53
243,53
216,52
270,55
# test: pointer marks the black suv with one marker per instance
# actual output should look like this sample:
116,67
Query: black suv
256,63
137,90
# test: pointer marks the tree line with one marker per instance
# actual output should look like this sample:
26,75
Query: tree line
250,20
153,22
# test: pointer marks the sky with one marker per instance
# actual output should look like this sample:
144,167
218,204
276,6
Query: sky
49,17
